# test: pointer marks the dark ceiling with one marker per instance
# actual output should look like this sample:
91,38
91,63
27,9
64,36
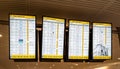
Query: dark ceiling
89,10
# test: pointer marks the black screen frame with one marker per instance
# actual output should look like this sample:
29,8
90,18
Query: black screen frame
24,59
93,42
67,48
41,39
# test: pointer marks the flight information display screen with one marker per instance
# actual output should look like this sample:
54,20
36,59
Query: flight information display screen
22,37
101,41
53,38
78,46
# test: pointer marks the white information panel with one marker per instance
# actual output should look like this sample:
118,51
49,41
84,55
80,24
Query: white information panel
22,37
78,40
53,38
101,41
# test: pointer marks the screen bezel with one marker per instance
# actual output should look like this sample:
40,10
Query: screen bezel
76,60
41,38
35,40
93,42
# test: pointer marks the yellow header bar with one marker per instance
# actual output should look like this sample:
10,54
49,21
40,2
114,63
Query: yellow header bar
101,24
54,19
53,56
78,22
78,57
21,16
102,57
23,56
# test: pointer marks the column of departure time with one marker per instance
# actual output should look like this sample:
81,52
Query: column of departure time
49,38
86,40
52,41
45,37
16,37
13,39
31,34
108,39
22,36
102,35
60,38
95,36
71,40
98,35
96,39
12,33
78,40
74,40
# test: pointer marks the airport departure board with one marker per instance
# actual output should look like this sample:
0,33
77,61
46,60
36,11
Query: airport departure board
53,38
78,46
101,41
22,37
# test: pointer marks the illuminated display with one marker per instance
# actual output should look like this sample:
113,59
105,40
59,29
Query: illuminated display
101,41
78,40
22,37
53,38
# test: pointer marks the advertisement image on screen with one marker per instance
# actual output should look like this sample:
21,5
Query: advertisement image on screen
53,38
22,37
78,47
101,41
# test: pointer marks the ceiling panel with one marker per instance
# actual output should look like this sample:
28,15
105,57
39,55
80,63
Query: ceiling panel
93,4
114,8
90,10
